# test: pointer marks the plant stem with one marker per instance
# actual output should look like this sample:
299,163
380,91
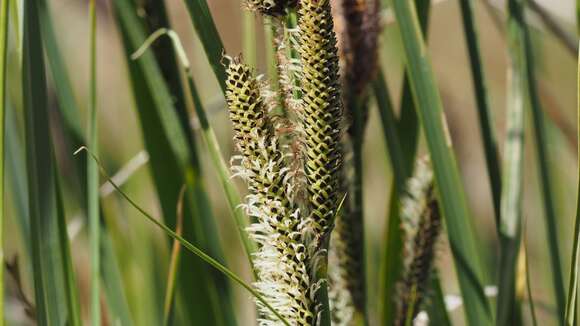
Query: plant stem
4,9
93,173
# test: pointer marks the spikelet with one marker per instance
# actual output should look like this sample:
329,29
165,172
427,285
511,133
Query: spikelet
281,258
421,225
321,110
271,7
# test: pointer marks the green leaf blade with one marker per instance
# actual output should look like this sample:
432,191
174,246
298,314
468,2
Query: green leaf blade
450,190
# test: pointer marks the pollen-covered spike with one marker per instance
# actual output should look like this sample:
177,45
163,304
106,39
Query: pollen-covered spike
281,259
321,109
421,225
271,7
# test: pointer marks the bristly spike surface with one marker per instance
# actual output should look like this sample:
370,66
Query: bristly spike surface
321,110
421,225
281,260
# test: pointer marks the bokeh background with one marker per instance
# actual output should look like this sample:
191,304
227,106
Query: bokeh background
140,246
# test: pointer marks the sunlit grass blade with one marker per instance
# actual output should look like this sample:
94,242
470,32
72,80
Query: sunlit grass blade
170,166
518,27
92,172
508,309
52,271
210,140
174,262
198,252
450,190
3,59
484,113
572,301
210,39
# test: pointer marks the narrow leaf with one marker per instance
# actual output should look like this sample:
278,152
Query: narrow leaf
92,172
572,302
53,279
3,59
210,39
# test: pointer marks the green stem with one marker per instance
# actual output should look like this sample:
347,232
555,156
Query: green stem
92,173
572,304
249,37
4,9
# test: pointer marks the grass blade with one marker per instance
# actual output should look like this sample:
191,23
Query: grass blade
4,9
174,263
485,118
450,190
572,302
53,278
170,162
93,173
198,252
210,39
519,29
508,309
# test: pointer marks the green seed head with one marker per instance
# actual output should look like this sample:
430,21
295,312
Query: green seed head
321,109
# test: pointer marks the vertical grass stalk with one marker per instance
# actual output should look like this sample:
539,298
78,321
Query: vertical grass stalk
4,9
92,171
572,302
